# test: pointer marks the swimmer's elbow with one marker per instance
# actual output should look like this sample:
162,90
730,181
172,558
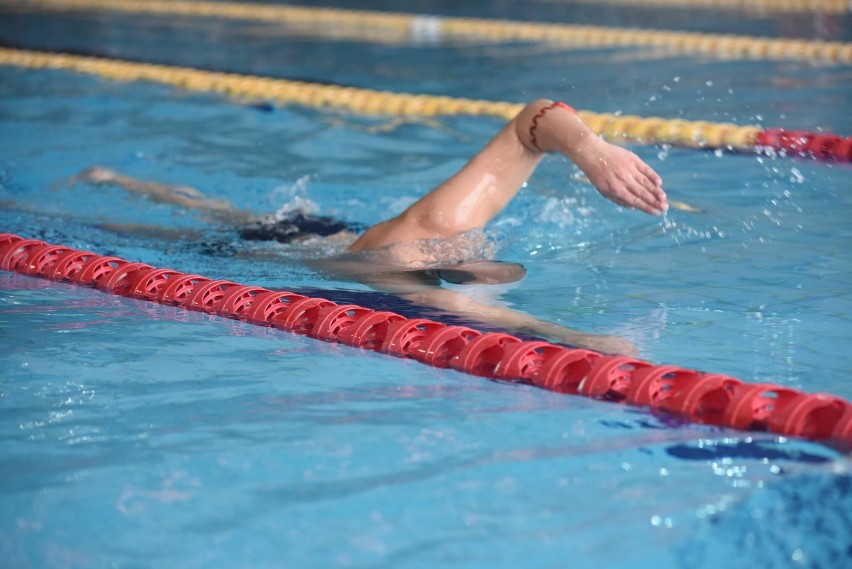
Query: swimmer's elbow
524,121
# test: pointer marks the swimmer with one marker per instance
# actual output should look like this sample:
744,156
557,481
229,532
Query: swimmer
438,238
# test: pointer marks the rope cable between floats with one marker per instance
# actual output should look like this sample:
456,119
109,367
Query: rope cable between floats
699,397
434,27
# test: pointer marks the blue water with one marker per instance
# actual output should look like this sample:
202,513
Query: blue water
139,435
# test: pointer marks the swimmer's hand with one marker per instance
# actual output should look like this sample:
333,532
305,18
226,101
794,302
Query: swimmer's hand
673,204
621,176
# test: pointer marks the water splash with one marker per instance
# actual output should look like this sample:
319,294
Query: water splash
681,232
295,199
559,211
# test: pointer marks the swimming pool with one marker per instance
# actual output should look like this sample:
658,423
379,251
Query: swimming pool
137,434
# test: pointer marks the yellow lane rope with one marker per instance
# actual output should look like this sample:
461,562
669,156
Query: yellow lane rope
420,26
761,6
649,130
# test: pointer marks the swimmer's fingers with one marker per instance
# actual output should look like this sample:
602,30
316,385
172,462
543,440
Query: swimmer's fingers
645,199
651,181
646,187
616,191
630,192
650,175
643,202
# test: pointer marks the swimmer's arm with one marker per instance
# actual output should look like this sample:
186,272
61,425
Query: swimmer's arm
515,321
489,181
184,196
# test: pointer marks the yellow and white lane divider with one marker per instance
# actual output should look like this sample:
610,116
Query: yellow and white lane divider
434,27
647,130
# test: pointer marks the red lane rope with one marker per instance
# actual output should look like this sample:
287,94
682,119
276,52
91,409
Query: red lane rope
801,143
693,395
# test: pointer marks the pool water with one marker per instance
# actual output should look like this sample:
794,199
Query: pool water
135,434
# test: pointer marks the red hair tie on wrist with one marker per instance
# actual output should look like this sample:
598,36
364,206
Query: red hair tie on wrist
541,113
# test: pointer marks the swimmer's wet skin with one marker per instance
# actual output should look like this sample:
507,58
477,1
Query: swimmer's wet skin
438,238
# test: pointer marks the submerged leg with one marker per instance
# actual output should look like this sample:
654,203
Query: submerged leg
151,231
515,321
423,287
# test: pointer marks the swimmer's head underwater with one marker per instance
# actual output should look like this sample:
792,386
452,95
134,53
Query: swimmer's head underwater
296,226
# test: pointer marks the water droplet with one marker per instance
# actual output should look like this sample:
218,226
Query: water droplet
797,177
